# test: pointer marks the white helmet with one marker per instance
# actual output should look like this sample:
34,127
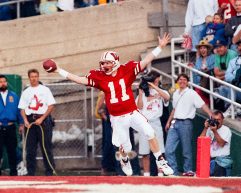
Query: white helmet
110,56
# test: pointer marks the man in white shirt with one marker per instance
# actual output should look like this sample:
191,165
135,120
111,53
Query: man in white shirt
36,104
196,12
179,124
220,144
151,107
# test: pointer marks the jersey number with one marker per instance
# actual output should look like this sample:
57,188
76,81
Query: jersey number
227,12
124,97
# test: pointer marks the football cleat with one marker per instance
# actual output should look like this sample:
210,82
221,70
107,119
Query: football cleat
21,169
163,167
126,167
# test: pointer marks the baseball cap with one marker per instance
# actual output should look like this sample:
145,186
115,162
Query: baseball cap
221,42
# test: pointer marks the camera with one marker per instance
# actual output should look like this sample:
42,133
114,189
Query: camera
144,84
213,122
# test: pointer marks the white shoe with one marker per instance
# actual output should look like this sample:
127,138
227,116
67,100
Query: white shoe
21,169
126,167
163,167
160,174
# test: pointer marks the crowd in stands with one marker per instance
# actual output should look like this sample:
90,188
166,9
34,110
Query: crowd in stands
215,30
38,7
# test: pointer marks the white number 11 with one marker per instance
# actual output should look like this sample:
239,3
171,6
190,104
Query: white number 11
123,91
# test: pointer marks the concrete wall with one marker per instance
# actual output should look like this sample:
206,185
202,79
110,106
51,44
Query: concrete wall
76,39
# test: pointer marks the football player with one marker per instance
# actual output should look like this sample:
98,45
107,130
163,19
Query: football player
115,81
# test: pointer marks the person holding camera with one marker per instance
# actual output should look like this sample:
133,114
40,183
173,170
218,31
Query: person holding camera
150,102
220,135
179,124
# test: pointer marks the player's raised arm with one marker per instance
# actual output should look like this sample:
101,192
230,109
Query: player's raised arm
162,43
51,66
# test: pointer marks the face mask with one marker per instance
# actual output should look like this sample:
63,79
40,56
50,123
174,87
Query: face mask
3,88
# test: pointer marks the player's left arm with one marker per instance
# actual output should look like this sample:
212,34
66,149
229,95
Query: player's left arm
162,43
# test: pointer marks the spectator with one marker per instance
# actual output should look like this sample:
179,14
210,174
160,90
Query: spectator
93,2
205,60
6,11
36,104
81,3
65,5
48,7
28,9
233,23
220,135
150,101
222,58
9,116
179,124
205,63
227,9
108,161
232,76
196,12
214,30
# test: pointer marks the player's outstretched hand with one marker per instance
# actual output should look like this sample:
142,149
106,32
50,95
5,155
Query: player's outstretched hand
166,38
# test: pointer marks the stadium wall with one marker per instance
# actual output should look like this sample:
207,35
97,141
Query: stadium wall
76,39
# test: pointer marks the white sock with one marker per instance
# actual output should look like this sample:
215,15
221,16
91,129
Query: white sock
146,174
157,154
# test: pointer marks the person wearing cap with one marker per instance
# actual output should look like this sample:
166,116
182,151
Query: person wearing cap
205,60
222,58
205,63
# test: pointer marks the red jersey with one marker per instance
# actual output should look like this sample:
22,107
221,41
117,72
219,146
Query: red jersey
119,97
229,11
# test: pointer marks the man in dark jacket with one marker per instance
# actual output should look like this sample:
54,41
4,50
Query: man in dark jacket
9,115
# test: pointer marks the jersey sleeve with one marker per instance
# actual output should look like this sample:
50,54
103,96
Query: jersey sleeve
93,79
134,67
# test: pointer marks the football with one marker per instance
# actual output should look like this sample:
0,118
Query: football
49,65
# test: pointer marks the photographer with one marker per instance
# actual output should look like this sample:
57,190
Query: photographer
220,135
150,102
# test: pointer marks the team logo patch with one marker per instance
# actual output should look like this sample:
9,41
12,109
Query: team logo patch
11,100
